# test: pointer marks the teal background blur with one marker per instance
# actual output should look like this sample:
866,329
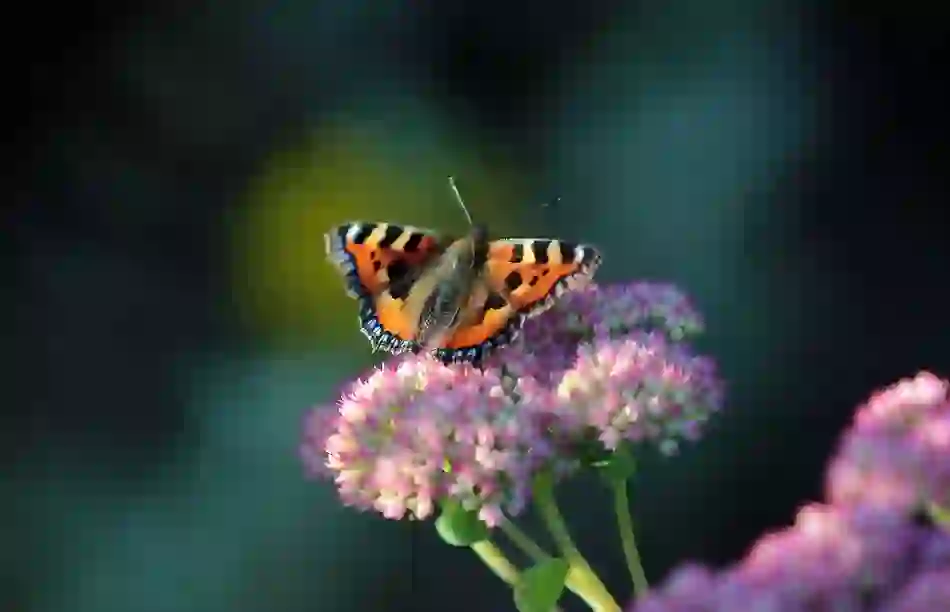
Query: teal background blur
169,317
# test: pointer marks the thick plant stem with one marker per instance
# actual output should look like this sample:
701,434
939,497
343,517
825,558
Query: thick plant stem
498,563
574,582
588,586
523,541
627,541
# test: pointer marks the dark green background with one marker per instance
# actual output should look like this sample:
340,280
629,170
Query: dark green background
168,317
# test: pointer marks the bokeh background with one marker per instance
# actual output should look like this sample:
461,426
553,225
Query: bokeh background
168,316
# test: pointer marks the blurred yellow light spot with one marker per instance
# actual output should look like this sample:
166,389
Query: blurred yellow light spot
284,289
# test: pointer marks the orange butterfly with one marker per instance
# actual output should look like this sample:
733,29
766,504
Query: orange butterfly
458,299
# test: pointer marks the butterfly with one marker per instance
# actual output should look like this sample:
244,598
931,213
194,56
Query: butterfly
458,299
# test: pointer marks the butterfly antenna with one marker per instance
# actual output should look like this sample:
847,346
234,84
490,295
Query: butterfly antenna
458,198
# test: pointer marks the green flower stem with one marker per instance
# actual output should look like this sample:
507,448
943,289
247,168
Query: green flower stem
574,583
587,585
523,541
498,563
625,526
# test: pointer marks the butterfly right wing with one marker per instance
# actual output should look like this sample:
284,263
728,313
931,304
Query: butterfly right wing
533,272
523,277
381,262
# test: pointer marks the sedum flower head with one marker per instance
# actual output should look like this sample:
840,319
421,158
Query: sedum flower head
688,588
830,559
927,592
549,342
640,306
837,556
416,432
640,387
897,452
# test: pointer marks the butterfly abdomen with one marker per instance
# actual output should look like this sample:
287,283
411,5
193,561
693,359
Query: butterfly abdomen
439,313
441,300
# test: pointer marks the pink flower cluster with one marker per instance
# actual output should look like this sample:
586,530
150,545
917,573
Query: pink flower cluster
616,359
640,387
897,452
597,312
606,363
863,551
929,591
831,559
417,431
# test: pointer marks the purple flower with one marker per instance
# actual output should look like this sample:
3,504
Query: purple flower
416,432
927,592
935,551
897,453
833,555
641,306
830,559
689,588
549,342
605,359
640,387
319,424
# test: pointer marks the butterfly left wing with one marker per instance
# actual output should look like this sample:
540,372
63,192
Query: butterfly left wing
522,278
380,262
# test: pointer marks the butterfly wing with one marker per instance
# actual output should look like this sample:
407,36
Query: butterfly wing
533,273
522,278
380,262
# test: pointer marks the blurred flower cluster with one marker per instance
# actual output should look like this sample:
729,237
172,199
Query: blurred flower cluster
897,452
871,547
604,367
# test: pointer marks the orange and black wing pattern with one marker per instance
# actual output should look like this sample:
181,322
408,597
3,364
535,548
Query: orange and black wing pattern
524,277
533,273
380,262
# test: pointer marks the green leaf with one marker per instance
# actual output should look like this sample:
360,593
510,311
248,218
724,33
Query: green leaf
620,466
940,515
541,585
458,526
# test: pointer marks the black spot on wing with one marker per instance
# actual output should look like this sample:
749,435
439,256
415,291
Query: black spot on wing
400,279
567,252
341,231
377,265
513,281
363,234
534,280
495,302
517,253
539,248
412,244
391,235
398,270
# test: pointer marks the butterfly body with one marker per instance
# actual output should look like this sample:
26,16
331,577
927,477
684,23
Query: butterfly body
458,299
435,303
